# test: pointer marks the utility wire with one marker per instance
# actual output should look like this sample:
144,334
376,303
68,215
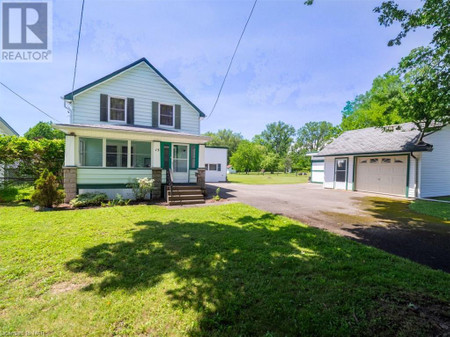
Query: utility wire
34,106
78,48
232,58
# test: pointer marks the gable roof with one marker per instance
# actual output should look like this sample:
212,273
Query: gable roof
398,138
8,127
70,95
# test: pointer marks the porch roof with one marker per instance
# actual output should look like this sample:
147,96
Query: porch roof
124,131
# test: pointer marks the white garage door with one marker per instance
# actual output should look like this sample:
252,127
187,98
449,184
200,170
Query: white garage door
382,174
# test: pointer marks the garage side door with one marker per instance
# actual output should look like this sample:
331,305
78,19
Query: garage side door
382,174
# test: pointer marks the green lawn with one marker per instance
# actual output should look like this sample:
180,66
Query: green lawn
260,179
437,209
213,271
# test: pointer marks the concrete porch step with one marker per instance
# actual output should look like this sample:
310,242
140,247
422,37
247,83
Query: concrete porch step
186,202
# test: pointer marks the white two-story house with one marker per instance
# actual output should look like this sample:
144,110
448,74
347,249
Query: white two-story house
129,124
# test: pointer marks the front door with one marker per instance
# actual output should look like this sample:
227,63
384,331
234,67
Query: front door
340,173
180,168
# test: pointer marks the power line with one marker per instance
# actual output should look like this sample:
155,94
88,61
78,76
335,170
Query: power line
34,106
78,48
232,58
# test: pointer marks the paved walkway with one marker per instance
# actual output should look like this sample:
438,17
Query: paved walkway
376,220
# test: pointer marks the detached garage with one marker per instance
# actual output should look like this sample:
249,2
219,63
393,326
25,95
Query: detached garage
389,160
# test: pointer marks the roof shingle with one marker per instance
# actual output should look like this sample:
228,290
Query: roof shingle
395,138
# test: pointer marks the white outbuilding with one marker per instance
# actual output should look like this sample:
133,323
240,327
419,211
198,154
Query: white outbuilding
215,164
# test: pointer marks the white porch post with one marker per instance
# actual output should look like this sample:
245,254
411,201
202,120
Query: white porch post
70,153
201,156
104,153
129,154
156,154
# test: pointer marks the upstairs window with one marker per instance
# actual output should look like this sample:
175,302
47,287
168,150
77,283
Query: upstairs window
117,109
166,115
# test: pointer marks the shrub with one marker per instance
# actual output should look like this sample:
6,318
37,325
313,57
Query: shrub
118,201
141,187
47,192
217,196
89,199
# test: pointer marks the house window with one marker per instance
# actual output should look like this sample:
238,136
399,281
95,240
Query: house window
212,167
397,160
166,115
117,109
116,153
140,154
91,152
386,160
374,160
364,161
193,157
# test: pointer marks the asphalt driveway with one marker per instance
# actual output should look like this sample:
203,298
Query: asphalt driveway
379,221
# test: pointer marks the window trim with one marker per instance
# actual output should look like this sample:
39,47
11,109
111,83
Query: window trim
109,110
173,116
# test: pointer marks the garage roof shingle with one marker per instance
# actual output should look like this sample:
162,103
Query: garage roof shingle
394,138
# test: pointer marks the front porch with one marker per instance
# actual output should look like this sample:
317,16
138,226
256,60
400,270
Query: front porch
108,161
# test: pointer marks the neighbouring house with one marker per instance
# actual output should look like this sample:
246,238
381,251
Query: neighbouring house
5,129
216,164
132,123
389,160
230,169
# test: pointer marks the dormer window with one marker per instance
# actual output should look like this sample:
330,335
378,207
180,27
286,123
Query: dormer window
166,113
117,110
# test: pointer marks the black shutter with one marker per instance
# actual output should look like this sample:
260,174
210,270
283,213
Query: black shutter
103,108
177,116
130,110
155,112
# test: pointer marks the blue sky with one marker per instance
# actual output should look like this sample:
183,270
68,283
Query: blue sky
296,63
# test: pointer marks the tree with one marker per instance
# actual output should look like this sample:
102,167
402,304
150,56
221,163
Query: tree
425,98
32,156
43,130
247,157
47,192
426,70
277,137
226,138
313,136
270,162
376,107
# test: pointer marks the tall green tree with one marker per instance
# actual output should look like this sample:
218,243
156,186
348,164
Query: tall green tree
376,107
226,138
247,157
313,136
425,98
43,130
277,137
426,70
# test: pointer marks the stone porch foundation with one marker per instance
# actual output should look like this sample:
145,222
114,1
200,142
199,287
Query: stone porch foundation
70,183
157,177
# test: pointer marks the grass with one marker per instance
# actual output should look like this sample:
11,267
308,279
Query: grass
213,271
254,178
16,192
434,208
